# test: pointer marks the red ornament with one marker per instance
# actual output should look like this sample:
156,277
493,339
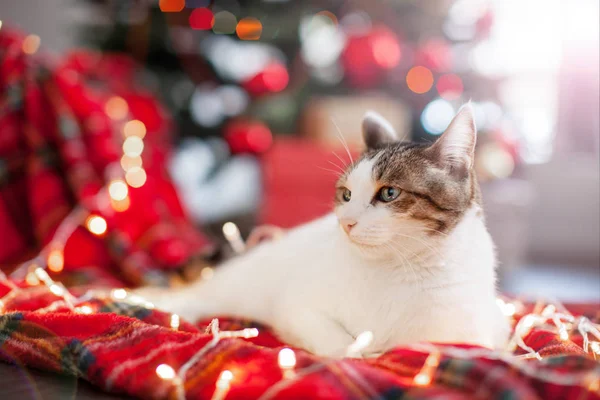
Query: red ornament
274,78
367,55
248,137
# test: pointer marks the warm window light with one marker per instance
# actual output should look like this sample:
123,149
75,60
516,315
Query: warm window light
56,261
135,127
133,146
96,224
130,162
136,177
116,108
165,372
118,190
31,44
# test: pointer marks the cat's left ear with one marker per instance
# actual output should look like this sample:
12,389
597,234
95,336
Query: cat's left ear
377,131
455,149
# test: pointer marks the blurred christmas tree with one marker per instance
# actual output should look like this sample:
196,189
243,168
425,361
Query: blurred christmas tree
241,69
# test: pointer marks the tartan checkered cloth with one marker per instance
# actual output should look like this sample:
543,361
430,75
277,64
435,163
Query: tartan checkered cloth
119,346
59,147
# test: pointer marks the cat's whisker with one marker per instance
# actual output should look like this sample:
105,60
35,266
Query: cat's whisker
339,158
337,166
342,140
336,173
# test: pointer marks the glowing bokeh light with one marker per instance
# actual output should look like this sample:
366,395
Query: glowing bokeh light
171,5
136,177
31,44
135,127
286,358
165,372
96,224
119,294
202,19
328,14
422,379
225,23
276,77
84,310
224,379
118,190
249,28
56,260
450,86
116,108
133,146
419,79
496,161
437,116
130,162
120,205
386,50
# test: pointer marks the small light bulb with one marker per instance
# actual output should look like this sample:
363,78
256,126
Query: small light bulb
96,225
134,127
116,108
119,294
165,372
233,236
249,333
595,347
422,379
528,321
136,177
84,310
118,190
133,146
564,335
175,321
224,379
56,260
128,163
286,358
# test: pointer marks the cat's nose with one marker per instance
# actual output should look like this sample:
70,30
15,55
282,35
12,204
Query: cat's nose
347,224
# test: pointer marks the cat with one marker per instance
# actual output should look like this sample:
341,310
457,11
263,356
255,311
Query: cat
405,255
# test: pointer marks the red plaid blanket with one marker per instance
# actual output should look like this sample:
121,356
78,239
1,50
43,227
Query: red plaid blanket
118,346
62,128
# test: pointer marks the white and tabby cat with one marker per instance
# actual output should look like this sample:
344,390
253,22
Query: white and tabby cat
405,255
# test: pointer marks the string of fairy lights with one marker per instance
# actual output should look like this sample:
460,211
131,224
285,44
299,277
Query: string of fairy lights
550,316
553,317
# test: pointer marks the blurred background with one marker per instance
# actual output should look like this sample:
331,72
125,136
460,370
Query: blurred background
259,92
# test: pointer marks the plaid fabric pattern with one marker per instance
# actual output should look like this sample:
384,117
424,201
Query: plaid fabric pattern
58,147
119,346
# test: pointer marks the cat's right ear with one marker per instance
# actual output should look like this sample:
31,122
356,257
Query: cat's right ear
377,131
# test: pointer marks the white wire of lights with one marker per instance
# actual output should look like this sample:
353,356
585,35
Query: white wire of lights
550,316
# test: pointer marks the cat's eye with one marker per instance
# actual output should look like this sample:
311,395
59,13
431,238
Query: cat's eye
388,193
346,194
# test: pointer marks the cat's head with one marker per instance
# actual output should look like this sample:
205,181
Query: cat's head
400,194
